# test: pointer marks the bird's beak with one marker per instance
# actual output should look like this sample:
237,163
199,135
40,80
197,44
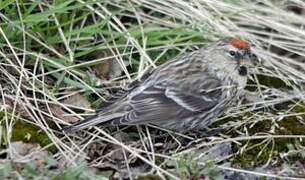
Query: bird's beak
241,61
242,70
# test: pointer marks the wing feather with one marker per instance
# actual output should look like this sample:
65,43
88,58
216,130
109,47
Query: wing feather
158,103
164,103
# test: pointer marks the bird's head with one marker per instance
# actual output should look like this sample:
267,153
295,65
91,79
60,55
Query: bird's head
232,55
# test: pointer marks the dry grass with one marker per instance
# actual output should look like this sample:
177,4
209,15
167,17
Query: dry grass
45,57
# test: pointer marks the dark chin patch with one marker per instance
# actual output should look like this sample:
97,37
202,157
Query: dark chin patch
242,70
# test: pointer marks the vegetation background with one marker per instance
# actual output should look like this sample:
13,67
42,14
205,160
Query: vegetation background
60,60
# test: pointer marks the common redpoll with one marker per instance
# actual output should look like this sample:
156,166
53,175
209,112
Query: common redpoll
187,92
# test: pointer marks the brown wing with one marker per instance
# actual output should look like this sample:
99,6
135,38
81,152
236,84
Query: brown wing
159,104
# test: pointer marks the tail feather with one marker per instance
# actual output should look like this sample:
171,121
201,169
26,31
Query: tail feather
110,113
91,121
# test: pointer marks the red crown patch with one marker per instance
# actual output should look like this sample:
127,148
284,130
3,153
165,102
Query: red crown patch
240,44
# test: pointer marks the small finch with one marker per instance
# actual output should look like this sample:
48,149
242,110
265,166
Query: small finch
185,93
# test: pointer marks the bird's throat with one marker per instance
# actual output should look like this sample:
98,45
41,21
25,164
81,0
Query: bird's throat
242,70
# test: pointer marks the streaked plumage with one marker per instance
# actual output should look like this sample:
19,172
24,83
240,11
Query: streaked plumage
188,92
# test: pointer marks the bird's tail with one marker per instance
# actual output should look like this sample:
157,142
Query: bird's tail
97,119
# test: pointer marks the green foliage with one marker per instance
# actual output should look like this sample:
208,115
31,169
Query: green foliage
273,82
287,125
190,167
47,26
32,170
148,177
5,170
71,173
29,133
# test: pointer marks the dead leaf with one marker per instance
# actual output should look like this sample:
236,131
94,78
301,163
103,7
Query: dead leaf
109,68
61,114
77,103
77,100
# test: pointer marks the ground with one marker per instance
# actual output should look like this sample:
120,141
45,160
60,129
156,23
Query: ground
60,60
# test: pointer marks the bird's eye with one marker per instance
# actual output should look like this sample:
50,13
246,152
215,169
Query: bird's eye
232,53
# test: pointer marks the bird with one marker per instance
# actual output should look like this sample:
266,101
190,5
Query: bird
188,92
